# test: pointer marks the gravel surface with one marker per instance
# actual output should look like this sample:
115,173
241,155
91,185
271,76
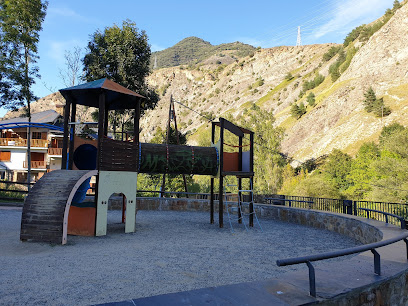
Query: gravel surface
169,252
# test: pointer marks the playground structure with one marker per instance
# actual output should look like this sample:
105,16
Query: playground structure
116,165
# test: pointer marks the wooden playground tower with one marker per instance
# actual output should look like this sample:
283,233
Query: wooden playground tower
46,209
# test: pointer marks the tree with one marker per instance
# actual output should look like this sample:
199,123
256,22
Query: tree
377,106
396,6
337,168
311,99
298,111
73,64
121,54
20,24
389,131
369,100
362,171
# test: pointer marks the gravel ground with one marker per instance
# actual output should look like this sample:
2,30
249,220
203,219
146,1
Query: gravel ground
169,252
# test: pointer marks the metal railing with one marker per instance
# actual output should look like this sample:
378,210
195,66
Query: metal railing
19,142
15,194
354,250
386,215
342,206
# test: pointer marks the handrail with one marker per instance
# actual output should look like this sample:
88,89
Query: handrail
401,219
289,200
358,249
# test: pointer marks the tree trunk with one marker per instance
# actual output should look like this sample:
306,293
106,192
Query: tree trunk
26,55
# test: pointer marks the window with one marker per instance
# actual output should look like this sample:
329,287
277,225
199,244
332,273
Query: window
37,135
5,156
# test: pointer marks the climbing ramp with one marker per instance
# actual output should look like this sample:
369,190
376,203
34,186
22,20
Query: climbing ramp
46,208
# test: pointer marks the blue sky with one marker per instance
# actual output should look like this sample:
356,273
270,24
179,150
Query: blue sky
264,23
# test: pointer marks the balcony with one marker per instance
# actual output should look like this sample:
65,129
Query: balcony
36,164
54,151
19,142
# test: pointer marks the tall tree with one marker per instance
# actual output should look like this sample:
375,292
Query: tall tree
71,75
20,24
121,54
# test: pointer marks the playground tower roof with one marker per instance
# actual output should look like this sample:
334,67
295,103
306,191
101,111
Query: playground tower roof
116,96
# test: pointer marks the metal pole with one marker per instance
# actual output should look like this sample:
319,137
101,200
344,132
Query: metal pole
377,262
312,279
221,186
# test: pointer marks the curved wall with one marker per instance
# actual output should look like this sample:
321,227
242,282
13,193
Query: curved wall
391,288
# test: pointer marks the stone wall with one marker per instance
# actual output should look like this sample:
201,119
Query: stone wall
392,290
343,224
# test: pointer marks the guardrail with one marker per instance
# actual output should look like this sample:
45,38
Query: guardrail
270,201
401,219
12,191
359,249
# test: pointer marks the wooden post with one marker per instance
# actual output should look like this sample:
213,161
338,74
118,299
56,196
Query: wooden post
72,136
221,190
251,182
136,128
66,134
239,178
101,125
212,179
251,204
106,122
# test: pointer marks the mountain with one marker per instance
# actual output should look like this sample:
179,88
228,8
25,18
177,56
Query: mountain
376,58
216,82
193,50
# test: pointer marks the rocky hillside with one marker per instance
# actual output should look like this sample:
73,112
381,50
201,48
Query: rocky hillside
222,85
337,120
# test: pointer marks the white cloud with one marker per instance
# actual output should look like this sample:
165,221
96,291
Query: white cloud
57,50
155,47
64,12
349,13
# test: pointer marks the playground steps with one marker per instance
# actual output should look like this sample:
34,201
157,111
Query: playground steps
44,208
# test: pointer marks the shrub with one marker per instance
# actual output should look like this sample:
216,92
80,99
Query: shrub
311,99
331,53
288,76
374,105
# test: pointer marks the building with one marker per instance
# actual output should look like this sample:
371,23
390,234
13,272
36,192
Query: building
46,145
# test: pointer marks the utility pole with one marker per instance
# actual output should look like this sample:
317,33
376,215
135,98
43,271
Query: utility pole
299,38
172,117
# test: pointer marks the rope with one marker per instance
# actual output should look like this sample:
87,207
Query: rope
167,164
230,145
193,160
140,157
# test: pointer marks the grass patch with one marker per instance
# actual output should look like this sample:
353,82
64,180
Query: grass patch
400,91
269,95
329,91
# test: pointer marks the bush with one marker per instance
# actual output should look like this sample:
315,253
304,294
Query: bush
288,76
298,111
331,53
374,105
311,99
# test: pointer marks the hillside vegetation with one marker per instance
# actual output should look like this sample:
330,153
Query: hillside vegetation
310,107
193,50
